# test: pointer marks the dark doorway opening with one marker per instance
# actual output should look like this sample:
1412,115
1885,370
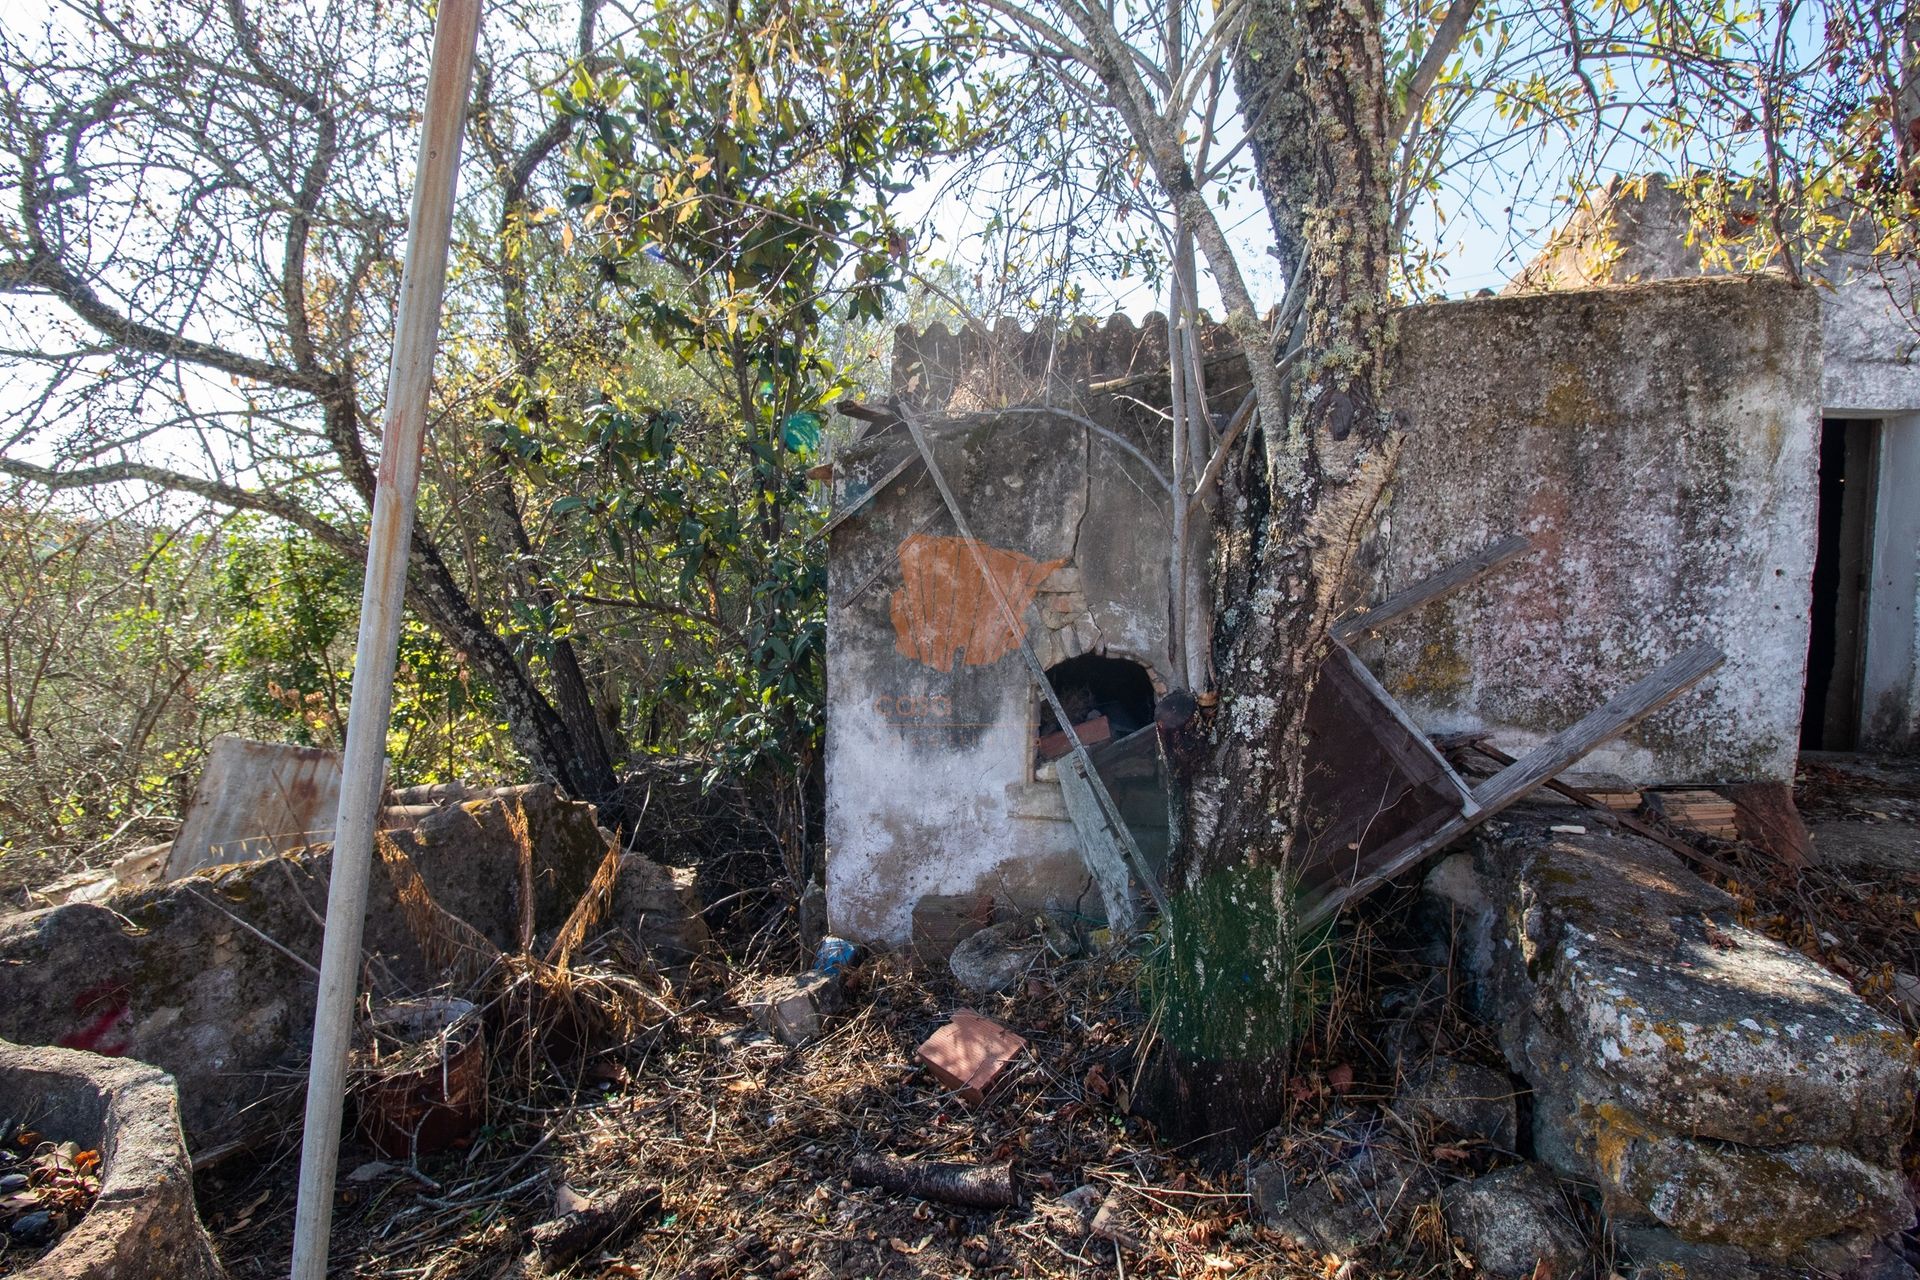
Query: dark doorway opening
1830,717
1091,686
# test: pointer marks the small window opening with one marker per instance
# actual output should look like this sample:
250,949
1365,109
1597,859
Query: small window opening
1103,698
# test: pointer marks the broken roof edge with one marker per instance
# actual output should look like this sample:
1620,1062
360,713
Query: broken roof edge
944,374
1650,227
978,366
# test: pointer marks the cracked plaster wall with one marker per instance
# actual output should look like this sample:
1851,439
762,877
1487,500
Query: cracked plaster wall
930,785
1657,442
1870,368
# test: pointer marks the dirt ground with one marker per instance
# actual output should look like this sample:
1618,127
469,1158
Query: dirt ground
752,1144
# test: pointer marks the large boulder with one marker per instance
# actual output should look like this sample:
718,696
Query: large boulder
1710,1081
211,977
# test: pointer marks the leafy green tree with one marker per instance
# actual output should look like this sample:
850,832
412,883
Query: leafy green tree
198,302
735,175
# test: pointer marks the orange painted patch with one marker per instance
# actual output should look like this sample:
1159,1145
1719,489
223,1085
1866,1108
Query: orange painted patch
943,606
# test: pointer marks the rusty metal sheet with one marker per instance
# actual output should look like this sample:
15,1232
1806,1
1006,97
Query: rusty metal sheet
1375,786
256,799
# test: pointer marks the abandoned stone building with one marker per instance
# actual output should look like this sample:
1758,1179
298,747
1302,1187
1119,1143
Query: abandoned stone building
1675,524
1723,460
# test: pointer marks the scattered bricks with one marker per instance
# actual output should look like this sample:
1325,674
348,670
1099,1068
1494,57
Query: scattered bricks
792,1009
1706,812
969,1053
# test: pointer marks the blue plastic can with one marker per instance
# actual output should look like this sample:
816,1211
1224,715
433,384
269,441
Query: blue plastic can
834,955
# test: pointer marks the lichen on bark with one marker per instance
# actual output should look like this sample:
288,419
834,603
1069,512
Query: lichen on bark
1312,76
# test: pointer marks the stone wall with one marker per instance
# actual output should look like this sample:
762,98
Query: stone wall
1656,442
1870,334
183,975
1720,1090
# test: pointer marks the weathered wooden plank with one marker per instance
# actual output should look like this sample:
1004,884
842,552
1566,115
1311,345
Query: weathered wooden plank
1607,813
1427,590
1635,704
1373,785
1099,845
1436,762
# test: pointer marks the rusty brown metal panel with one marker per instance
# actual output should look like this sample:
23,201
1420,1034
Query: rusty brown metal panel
256,799
1374,787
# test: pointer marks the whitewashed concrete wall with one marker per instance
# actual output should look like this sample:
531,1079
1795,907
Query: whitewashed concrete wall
929,766
1870,337
1890,683
1870,331
1657,443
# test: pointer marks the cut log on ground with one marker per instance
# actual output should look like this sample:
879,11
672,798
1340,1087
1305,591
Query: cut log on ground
975,1186
1766,818
559,1241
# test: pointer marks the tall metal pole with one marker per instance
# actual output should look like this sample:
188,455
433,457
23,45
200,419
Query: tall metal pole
389,540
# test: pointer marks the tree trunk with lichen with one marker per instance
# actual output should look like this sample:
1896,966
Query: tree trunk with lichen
1237,981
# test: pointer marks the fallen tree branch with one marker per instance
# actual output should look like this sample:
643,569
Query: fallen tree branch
976,1186
558,1241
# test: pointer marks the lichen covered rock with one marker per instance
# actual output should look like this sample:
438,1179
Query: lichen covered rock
1362,1196
1516,1224
1706,1078
1469,1100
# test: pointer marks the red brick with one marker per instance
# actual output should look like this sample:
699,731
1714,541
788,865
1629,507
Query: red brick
1054,745
969,1053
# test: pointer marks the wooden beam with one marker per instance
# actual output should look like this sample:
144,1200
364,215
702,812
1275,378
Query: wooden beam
1561,751
1430,753
1424,592
416,339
